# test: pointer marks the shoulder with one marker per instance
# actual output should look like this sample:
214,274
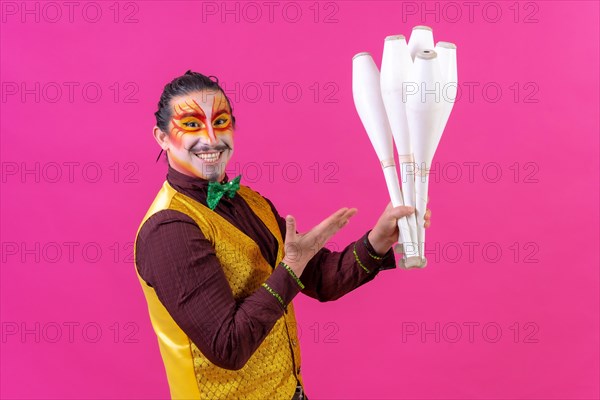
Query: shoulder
166,240
163,218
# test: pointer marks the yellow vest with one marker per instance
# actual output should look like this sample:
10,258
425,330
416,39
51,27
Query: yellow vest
272,371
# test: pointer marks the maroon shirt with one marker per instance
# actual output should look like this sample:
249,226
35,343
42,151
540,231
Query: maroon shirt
175,258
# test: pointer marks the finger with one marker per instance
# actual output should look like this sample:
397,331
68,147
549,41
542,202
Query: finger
350,213
402,211
336,217
427,214
427,224
343,219
325,225
329,226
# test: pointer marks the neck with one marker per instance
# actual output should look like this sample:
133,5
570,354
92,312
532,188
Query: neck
184,171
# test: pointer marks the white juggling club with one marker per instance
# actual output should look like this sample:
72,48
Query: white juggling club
366,92
396,69
421,38
447,60
424,110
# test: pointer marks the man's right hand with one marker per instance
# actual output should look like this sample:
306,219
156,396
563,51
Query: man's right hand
301,247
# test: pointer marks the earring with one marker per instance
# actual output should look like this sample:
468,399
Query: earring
159,154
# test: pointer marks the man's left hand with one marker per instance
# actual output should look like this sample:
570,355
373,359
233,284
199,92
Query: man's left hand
385,233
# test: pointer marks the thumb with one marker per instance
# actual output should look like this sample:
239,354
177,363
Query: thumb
402,211
290,227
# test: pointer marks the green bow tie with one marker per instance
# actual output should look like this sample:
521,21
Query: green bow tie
216,190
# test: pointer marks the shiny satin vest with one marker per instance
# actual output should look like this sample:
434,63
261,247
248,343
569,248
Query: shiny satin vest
271,372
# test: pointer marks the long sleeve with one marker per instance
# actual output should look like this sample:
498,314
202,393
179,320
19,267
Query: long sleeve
329,275
175,258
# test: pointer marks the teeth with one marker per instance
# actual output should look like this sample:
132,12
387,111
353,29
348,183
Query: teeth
209,156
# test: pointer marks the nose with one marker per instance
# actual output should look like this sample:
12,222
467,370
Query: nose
212,138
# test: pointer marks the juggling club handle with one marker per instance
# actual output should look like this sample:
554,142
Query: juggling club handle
411,251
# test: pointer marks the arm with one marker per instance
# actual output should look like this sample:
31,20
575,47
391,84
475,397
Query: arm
330,275
175,258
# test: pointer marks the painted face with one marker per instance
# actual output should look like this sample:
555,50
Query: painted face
200,140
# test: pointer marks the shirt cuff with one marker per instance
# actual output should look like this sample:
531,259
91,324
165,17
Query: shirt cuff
368,259
282,286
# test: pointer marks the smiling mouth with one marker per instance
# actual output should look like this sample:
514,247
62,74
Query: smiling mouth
212,156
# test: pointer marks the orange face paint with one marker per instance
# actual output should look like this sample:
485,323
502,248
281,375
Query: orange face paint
189,117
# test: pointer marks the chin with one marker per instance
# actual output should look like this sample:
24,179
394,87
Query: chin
213,177
212,172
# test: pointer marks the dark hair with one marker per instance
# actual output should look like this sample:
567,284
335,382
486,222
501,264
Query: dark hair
187,83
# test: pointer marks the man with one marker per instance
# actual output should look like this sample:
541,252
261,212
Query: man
219,266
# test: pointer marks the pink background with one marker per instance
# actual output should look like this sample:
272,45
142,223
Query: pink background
75,324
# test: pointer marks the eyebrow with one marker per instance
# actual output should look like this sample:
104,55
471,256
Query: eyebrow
217,113
190,114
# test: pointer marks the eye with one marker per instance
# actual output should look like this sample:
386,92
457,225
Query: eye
191,124
222,121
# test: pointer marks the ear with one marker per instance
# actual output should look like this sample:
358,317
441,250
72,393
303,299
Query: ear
161,138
